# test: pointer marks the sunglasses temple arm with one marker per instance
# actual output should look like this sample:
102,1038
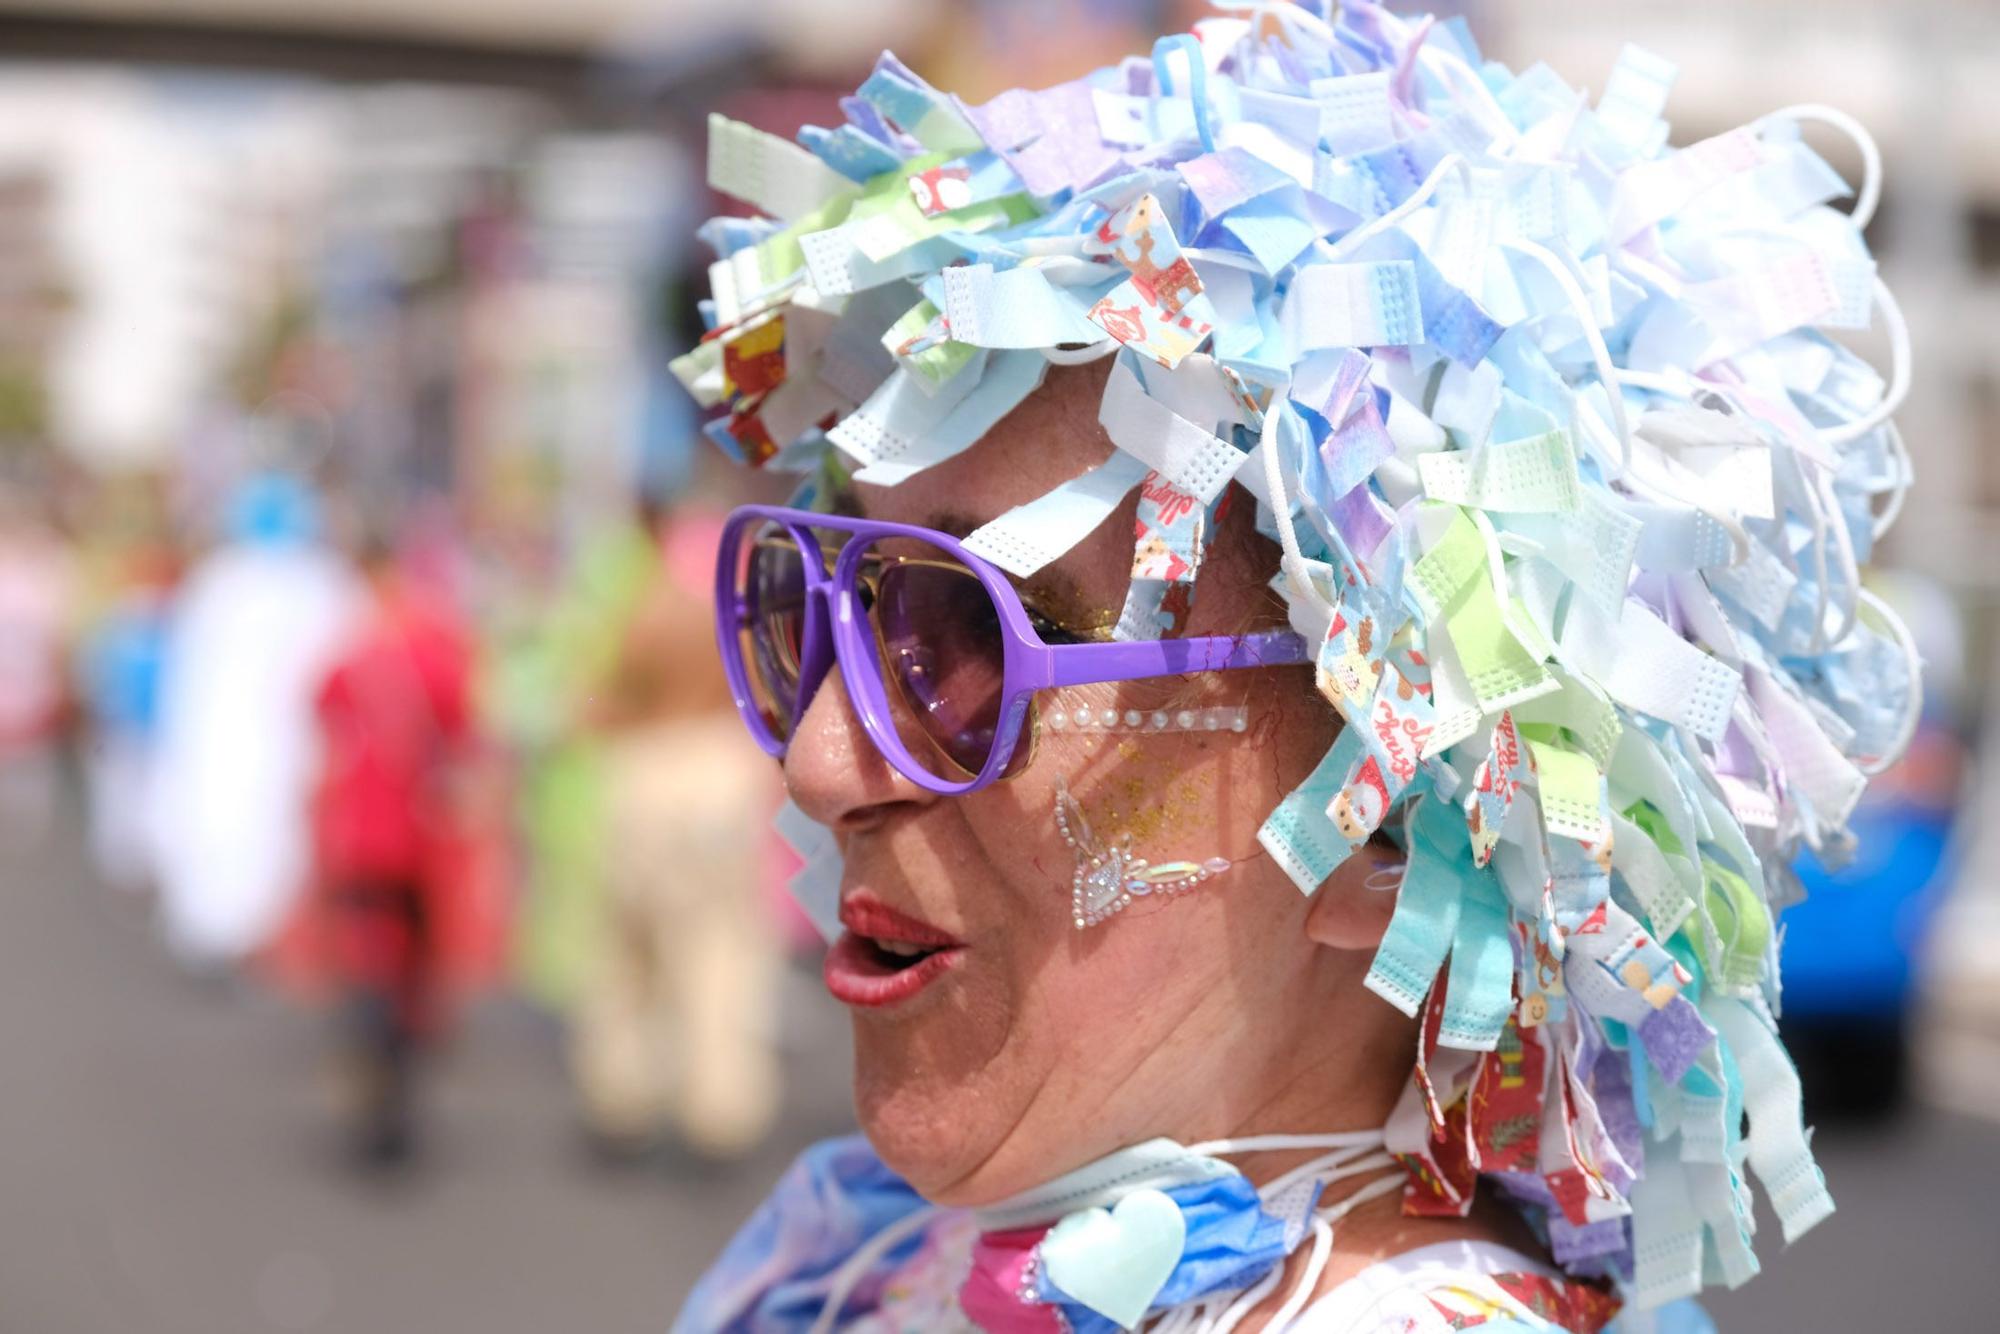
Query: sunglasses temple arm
1091,664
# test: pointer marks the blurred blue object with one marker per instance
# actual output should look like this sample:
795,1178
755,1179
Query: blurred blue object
272,508
1851,949
121,664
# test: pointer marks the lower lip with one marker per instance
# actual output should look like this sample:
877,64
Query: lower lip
855,977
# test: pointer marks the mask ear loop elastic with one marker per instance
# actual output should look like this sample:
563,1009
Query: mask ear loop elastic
1614,385
1081,356
1913,709
850,1274
1465,83
1900,358
1867,200
1614,388
1600,352
1900,489
1190,47
1298,570
1374,227
1828,519
1870,195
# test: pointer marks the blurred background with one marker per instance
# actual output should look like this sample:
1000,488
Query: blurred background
354,677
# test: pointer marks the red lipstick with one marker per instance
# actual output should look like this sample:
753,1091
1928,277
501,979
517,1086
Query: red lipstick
885,956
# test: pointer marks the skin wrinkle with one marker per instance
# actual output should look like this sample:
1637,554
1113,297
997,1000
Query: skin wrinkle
1232,1010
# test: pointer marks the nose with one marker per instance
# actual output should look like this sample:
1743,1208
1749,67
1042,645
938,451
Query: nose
834,772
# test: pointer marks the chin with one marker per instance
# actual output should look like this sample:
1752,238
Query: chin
938,1131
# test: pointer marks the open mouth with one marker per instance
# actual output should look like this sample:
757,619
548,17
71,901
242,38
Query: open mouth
893,956
885,956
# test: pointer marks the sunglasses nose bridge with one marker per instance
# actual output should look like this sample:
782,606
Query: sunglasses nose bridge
816,651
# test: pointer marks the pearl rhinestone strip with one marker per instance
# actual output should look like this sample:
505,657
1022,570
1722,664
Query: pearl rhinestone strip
1062,717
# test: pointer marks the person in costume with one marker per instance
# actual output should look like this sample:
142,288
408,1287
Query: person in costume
1323,599
673,1036
396,731
253,629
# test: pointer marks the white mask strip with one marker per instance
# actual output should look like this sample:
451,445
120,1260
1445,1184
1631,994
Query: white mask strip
1030,536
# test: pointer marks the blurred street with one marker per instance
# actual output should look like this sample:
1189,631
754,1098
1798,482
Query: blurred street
168,1171
357,554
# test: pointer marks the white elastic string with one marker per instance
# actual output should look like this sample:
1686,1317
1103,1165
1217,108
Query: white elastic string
1374,227
1233,1314
1081,356
1658,492
1330,1168
1467,85
1913,710
1900,355
1496,561
1308,1285
1843,546
1905,474
1814,502
1386,878
1870,195
1374,1190
1346,1155
1349,1141
1298,570
1600,353
863,1259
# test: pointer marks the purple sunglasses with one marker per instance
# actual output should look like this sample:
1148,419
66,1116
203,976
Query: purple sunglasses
912,606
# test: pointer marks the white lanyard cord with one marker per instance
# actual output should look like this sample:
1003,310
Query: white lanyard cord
864,1258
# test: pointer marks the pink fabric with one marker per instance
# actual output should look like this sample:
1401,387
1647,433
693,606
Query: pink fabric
1000,1262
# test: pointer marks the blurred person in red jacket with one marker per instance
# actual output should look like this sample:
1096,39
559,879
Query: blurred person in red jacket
394,714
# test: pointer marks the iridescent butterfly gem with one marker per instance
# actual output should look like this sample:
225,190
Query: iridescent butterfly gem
1109,878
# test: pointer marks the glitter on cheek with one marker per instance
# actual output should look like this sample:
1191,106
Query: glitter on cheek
1109,877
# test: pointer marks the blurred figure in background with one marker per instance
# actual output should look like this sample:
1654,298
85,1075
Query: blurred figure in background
255,628
548,678
672,1037
36,579
395,728
120,662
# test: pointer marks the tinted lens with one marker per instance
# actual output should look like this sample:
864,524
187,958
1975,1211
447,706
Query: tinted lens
943,651
772,587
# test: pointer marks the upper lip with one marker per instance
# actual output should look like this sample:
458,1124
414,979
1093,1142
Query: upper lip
865,915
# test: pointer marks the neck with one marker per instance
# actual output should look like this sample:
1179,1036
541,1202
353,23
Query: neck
1163,1164
1342,1073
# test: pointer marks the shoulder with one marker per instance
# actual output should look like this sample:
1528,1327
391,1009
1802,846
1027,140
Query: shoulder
821,1228
1455,1285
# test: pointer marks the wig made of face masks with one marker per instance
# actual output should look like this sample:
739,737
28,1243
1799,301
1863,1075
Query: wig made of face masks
1573,486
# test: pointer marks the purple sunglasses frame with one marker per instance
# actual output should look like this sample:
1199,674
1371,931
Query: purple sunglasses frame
835,632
